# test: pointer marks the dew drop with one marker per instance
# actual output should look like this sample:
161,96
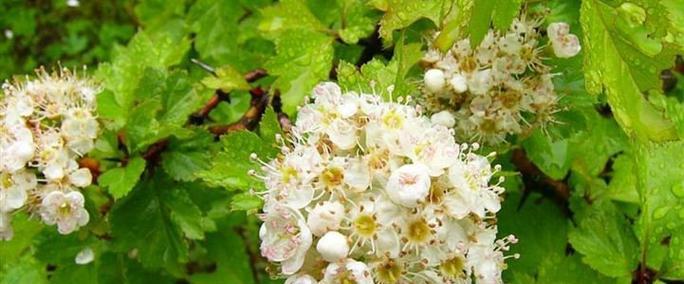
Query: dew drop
660,212
678,189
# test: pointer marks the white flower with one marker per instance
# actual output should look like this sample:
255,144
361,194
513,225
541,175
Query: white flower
65,210
333,246
301,279
85,256
14,188
325,217
563,42
409,185
348,271
444,118
458,83
434,80
81,177
285,238
382,193
472,194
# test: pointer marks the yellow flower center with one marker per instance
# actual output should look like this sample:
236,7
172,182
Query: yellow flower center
389,272
453,268
392,120
332,176
365,225
419,231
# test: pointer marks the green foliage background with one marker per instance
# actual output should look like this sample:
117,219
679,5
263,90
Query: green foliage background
602,200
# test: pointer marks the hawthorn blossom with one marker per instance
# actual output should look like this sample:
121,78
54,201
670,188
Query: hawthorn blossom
65,210
502,86
46,124
367,191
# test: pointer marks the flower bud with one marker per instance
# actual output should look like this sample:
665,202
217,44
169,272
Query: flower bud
333,246
458,83
434,80
444,118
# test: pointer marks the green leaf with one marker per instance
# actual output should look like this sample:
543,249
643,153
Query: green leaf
606,241
303,59
480,19
227,79
54,248
122,75
552,157
216,26
24,270
187,215
568,270
623,185
623,59
269,126
185,157
400,14
288,15
660,227
504,13
245,202
165,101
149,221
26,228
547,237
230,166
233,263
120,181
357,20
378,76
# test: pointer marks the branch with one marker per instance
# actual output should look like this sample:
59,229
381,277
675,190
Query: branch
535,179
221,96
250,119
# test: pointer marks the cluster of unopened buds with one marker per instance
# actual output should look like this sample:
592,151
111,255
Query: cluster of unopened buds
366,191
46,124
502,87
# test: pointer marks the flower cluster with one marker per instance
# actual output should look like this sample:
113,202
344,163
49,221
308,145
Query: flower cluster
502,86
46,124
366,191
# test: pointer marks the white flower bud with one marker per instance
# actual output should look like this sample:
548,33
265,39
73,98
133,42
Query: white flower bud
444,118
434,80
409,185
564,43
325,217
333,246
458,83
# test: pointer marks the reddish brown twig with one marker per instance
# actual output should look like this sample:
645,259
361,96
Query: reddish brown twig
220,96
250,119
535,179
